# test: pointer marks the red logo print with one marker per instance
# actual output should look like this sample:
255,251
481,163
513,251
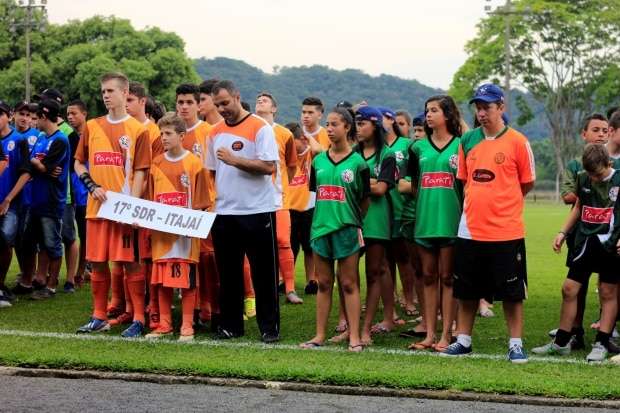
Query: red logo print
172,198
331,193
438,180
299,180
108,159
593,215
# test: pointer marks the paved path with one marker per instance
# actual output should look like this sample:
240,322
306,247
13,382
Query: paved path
26,394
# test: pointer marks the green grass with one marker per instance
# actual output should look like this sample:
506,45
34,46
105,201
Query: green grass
243,358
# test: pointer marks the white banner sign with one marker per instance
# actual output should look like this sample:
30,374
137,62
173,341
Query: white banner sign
153,215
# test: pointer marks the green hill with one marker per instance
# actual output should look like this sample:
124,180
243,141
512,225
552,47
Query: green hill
290,85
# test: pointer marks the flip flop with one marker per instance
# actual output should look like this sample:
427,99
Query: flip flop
341,327
421,346
308,345
358,348
413,334
411,313
379,329
339,338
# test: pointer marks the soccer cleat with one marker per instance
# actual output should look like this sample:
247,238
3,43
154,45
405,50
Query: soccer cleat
94,326
517,354
293,298
553,332
134,330
599,353
21,289
269,338
124,318
43,294
69,287
249,307
456,350
157,333
4,303
552,349
311,288
223,334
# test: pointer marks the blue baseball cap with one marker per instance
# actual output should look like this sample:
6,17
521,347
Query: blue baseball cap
387,112
489,93
369,113
419,119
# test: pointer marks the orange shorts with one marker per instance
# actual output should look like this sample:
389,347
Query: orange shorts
174,274
110,241
206,245
144,243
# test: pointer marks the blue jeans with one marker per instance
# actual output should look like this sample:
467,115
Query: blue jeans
44,232
9,225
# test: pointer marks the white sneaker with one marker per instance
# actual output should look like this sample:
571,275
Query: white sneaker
615,359
553,332
615,334
598,353
552,349
4,303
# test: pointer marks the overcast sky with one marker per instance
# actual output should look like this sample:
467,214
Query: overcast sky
414,39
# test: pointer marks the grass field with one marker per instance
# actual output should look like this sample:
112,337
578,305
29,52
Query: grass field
40,334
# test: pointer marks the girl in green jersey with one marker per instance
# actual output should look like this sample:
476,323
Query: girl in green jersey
432,166
377,223
340,177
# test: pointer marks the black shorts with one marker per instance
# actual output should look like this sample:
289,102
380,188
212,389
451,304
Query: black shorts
68,225
594,258
301,223
80,219
493,270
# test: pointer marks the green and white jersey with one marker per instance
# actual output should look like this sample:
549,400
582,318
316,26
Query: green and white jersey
340,188
439,192
400,149
409,202
378,219
600,213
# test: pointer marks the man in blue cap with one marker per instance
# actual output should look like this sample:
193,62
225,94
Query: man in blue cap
496,166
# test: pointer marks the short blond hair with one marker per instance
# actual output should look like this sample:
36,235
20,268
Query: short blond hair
174,121
122,80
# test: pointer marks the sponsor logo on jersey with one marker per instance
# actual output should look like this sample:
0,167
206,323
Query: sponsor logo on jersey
10,146
32,140
197,149
437,180
593,215
299,180
124,141
347,176
377,170
172,198
185,180
483,175
454,162
613,193
331,193
399,156
500,158
108,159
237,146
39,155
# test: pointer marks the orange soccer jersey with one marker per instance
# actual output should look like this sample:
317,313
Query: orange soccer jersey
288,158
154,137
180,182
322,138
114,150
299,197
493,171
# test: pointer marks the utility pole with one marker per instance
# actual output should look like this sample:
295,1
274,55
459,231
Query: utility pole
29,23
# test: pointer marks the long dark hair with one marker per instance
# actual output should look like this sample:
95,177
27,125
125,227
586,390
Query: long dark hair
450,111
347,117
378,138
396,128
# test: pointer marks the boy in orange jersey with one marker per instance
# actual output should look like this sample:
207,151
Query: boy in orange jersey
206,108
311,113
177,178
118,152
301,203
266,107
136,107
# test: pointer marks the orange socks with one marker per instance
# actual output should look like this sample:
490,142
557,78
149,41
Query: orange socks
247,279
136,287
188,302
100,285
118,290
165,308
287,268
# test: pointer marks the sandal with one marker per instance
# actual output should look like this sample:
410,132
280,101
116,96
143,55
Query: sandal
413,334
309,345
421,346
412,312
358,348
379,329
340,337
341,327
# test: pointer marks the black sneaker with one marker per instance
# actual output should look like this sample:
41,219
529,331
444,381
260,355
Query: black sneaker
269,338
20,289
223,334
43,294
311,288
613,348
281,288
36,285
69,287
576,343
8,295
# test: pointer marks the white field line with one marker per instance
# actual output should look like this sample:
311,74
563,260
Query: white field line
261,346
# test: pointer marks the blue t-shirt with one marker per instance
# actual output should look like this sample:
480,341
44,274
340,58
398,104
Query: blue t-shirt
80,193
30,136
15,151
49,194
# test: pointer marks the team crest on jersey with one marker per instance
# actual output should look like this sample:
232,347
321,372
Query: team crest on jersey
32,140
377,170
197,149
124,141
399,156
185,180
237,146
454,162
613,193
10,146
347,176
500,158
